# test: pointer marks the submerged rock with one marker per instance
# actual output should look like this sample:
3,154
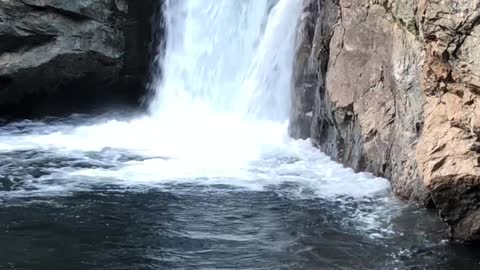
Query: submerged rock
392,87
63,55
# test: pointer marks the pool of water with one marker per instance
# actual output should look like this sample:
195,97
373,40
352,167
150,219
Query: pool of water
72,198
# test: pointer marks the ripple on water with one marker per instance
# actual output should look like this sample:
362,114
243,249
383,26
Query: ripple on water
290,207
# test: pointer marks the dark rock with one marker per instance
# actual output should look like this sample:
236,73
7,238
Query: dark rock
142,42
59,56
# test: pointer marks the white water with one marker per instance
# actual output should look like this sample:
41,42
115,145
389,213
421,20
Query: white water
227,57
219,115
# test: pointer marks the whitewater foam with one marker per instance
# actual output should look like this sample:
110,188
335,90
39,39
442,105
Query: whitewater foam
219,115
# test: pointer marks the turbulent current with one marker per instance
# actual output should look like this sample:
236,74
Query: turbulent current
208,178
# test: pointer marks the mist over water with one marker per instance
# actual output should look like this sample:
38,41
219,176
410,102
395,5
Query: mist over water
208,178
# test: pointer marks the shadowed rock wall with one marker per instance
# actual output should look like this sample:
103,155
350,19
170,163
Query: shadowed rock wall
59,56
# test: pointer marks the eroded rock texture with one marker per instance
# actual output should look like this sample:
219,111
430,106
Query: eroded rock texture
62,54
392,87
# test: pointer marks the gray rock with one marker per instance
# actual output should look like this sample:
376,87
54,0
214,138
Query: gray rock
57,52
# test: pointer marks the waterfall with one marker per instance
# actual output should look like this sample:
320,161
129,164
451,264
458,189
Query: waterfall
227,57
221,100
219,114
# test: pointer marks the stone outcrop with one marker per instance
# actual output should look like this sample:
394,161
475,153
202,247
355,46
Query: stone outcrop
392,87
64,55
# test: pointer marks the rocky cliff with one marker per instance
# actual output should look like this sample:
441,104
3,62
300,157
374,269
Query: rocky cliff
392,87
62,55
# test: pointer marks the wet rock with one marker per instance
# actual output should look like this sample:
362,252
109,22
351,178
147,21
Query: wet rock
397,95
58,54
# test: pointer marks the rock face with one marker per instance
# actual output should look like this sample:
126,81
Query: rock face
71,53
393,87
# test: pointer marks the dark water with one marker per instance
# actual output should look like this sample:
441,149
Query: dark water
211,228
193,225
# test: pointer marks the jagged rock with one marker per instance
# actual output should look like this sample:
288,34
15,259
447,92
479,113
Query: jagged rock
398,97
447,154
68,53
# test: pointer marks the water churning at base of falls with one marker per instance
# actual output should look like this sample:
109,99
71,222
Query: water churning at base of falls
219,113
208,178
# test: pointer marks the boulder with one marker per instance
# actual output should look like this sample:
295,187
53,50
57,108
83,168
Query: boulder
59,55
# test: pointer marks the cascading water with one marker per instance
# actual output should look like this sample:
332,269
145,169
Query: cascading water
219,113
209,178
231,57
218,116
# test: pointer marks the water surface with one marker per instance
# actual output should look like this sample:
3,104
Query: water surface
112,208
209,178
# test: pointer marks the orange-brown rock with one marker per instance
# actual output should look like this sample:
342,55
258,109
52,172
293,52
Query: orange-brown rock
395,90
